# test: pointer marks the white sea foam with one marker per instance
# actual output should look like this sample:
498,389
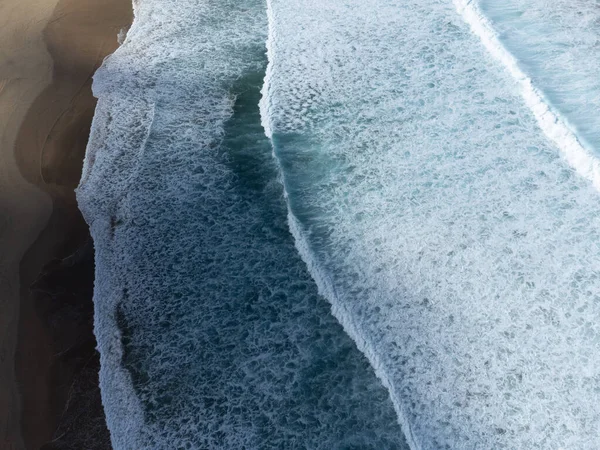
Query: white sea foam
326,288
455,246
210,330
351,326
265,101
107,149
129,86
577,151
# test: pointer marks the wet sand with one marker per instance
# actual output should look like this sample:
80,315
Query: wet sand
48,51
25,71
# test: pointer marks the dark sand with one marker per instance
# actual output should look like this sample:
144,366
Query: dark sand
25,71
55,361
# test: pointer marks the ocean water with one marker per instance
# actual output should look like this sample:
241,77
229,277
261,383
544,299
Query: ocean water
399,249
455,242
210,329
550,51
558,47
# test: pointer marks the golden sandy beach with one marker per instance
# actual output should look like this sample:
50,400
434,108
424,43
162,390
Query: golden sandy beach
49,49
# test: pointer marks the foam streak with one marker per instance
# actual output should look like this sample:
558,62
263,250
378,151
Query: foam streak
326,287
574,149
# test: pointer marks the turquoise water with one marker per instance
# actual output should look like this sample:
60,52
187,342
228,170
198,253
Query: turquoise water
558,47
399,249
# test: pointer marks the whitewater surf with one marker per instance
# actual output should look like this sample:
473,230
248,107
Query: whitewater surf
210,330
456,246
415,158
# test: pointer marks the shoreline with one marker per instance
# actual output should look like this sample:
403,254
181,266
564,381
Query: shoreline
48,152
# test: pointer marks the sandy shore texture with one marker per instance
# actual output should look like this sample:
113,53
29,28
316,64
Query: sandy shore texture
49,49
25,71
